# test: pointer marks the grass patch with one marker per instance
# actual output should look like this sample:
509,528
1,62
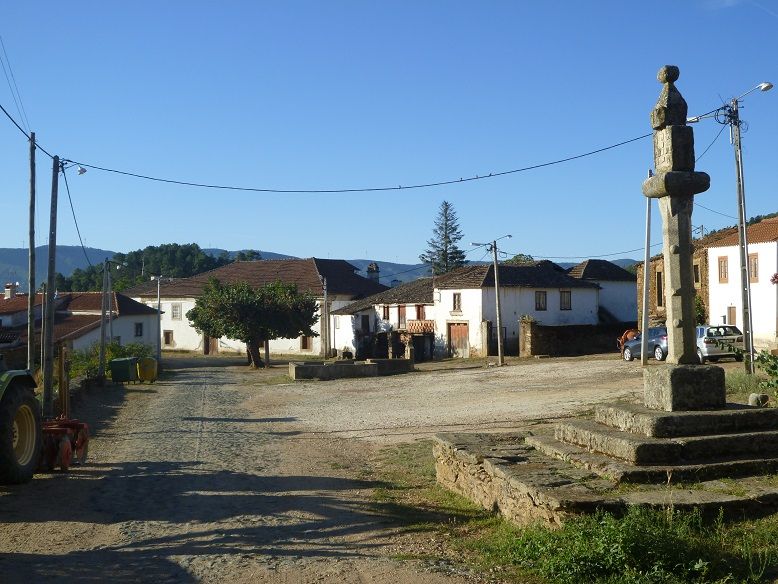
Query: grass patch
642,547
742,384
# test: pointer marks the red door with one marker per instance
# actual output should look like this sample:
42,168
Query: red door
458,345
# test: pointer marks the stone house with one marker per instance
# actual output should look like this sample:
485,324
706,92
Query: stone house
617,289
657,312
344,286
724,281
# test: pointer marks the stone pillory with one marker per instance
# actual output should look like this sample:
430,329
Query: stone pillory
675,183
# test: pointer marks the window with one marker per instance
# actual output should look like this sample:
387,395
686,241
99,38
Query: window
401,315
305,343
723,270
138,329
365,323
420,315
540,300
753,267
696,268
457,303
565,300
167,338
175,311
337,321
386,312
660,291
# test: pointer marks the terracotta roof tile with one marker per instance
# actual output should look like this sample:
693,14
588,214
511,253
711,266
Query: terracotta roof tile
414,292
764,231
536,275
601,270
92,302
17,304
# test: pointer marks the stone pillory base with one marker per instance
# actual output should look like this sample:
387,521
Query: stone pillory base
684,431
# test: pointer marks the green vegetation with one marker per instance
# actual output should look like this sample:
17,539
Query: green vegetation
86,362
642,547
171,260
520,259
254,315
741,384
443,254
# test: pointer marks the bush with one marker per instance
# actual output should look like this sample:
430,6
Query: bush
85,363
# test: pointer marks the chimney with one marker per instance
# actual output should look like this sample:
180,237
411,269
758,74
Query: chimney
10,290
372,271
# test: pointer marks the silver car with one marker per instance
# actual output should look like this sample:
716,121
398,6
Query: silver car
716,341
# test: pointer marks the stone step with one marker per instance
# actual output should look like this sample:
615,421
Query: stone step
643,450
638,419
620,471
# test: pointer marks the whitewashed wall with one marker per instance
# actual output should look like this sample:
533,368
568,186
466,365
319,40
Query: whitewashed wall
620,299
764,294
124,328
443,313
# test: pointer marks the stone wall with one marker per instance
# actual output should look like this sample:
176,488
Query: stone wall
580,339
348,368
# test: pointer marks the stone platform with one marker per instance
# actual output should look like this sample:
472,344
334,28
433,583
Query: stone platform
512,474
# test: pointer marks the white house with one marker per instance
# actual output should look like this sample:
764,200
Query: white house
310,275
618,301
725,296
454,314
405,309
77,318
465,306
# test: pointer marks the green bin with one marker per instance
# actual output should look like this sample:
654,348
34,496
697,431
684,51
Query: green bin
124,370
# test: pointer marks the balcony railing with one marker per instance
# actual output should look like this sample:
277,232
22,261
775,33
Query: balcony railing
420,326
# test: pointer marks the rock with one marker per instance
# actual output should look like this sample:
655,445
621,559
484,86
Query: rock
758,399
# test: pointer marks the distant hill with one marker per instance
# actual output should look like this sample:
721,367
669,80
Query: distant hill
13,263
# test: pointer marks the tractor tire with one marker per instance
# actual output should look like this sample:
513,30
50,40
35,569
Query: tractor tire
21,435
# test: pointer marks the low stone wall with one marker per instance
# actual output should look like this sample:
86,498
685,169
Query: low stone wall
349,368
536,339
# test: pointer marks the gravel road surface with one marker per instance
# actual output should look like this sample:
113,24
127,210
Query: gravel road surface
215,475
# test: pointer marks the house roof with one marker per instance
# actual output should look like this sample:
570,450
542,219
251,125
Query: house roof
305,273
764,231
17,304
601,270
415,292
66,326
92,302
534,275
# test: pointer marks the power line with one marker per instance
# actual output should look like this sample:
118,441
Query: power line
67,187
26,135
696,204
592,256
19,104
704,152
361,189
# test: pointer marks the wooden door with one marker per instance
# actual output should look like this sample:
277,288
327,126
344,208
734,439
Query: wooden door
401,316
731,315
458,335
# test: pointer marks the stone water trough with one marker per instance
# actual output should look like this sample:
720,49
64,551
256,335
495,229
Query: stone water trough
347,368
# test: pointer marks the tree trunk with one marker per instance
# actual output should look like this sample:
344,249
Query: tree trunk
248,355
253,349
267,354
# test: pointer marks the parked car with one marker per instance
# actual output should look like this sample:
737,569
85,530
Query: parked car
657,344
716,341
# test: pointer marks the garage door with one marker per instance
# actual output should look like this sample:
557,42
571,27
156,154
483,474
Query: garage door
458,339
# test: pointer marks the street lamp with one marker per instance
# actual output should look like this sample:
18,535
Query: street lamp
729,114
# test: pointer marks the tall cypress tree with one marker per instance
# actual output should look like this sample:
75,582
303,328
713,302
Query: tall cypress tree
443,254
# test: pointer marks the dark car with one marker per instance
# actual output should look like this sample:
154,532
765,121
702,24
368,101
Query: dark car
657,345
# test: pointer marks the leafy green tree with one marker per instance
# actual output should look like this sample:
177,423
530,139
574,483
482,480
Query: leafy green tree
520,259
443,254
254,315
248,255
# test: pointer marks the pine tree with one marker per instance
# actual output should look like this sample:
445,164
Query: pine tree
443,254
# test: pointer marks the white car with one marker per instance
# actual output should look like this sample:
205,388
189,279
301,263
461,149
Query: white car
715,341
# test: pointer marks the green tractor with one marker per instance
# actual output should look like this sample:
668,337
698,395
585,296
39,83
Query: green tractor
21,428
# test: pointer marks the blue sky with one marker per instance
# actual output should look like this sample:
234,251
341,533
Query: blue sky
348,94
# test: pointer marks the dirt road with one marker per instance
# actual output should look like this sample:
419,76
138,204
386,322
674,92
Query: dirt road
214,475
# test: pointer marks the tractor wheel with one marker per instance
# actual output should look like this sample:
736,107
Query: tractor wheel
65,453
20,435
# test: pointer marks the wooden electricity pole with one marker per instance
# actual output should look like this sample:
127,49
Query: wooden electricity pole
31,265
48,345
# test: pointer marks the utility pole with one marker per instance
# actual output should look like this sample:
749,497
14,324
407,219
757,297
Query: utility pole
646,277
101,364
48,345
324,319
500,355
110,305
31,265
745,276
